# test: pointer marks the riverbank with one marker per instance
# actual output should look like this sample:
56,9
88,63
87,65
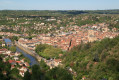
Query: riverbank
51,63
17,61
31,58
28,51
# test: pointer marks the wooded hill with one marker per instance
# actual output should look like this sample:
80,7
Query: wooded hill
95,61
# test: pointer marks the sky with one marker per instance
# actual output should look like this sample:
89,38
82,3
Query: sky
58,4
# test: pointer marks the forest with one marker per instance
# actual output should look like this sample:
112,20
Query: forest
98,60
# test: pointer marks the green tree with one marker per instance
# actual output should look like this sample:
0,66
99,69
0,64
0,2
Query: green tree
14,38
27,76
14,74
40,48
59,74
44,66
36,73
13,48
47,51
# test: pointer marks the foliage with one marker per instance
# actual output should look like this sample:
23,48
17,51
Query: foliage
4,67
27,76
13,48
47,51
27,21
14,38
0,37
40,48
14,73
44,67
97,60
59,74
10,74
38,73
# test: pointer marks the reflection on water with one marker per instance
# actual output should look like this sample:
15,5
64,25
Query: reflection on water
32,59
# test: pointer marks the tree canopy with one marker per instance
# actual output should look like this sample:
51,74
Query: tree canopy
13,48
47,51
96,60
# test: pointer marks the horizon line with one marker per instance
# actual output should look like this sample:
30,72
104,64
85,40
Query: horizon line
56,9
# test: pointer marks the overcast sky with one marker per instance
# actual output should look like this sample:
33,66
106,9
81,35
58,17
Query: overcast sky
59,4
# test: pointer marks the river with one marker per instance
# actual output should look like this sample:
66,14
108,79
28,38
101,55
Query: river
31,58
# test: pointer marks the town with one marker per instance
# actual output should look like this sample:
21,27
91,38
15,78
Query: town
67,40
16,60
77,44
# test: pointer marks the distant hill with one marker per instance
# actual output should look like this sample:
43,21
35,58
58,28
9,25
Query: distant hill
35,13
75,12
95,61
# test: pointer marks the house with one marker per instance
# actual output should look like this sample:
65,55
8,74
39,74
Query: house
21,63
8,52
10,61
3,44
83,78
60,55
4,59
4,72
58,60
26,64
12,66
18,62
12,55
17,54
16,58
23,68
22,60
3,50
21,72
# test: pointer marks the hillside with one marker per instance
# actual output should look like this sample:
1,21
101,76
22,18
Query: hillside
95,61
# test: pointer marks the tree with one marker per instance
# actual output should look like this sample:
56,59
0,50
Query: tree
40,48
13,48
0,37
59,74
36,73
44,66
14,73
14,38
96,58
27,76
47,51
113,64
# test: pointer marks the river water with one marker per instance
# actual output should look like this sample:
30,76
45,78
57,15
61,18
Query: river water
31,58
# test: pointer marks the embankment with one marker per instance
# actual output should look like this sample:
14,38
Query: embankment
28,51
